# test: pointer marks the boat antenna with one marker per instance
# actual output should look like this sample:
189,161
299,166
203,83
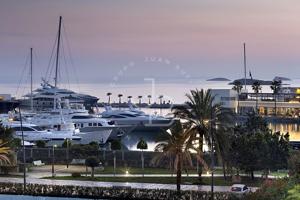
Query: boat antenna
57,51
245,66
31,81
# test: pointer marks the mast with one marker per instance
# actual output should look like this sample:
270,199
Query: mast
31,81
57,51
245,67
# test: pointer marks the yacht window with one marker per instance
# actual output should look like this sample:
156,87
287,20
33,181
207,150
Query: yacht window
37,128
128,115
81,125
82,117
90,124
94,124
75,125
24,129
99,124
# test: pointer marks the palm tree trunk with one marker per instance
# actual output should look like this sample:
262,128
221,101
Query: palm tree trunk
252,175
178,178
256,103
275,105
114,163
200,169
142,157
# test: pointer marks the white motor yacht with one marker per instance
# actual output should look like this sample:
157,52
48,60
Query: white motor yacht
137,119
33,132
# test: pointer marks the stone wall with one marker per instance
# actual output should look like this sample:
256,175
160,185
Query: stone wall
106,193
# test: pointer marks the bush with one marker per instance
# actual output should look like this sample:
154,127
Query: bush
76,174
41,144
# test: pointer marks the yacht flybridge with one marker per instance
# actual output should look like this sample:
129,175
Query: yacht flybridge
43,98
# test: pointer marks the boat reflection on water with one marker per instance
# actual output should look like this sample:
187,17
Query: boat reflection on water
292,129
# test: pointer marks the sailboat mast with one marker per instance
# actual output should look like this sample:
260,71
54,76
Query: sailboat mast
31,80
57,51
245,67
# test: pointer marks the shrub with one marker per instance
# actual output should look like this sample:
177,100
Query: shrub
76,174
41,144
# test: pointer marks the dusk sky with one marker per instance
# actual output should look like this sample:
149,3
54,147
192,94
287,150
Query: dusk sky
204,38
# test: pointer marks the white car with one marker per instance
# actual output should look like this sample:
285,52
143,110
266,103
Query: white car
239,189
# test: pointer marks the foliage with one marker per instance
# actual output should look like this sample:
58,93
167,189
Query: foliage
142,144
83,150
40,144
270,190
94,144
294,163
255,147
275,86
66,143
4,153
92,162
116,145
177,149
205,116
294,193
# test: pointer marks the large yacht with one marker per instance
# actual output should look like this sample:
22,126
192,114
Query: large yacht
7,103
137,119
43,98
33,132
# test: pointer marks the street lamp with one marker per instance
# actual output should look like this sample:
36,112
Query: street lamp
24,153
54,146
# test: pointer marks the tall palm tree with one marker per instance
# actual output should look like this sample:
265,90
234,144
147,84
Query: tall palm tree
238,88
149,99
108,94
256,87
275,87
120,99
160,99
176,147
140,100
129,99
197,111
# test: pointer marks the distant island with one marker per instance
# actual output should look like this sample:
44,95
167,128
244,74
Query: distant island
218,79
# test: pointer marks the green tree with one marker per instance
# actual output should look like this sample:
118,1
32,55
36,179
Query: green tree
199,111
66,144
40,144
176,148
256,87
275,87
92,162
142,145
238,88
108,94
115,145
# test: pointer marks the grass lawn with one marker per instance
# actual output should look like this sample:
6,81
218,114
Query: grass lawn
165,180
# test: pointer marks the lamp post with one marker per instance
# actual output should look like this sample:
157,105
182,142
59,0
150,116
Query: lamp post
53,174
212,151
67,152
24,153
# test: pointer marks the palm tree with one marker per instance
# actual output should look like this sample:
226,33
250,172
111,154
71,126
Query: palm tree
4,153
92,162
275,87
142,145
149,99
120,99
197,111
256,87
108,94
129,99
160,99
140,100
176,148
238,88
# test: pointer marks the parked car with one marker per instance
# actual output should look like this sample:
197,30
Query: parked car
239,189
